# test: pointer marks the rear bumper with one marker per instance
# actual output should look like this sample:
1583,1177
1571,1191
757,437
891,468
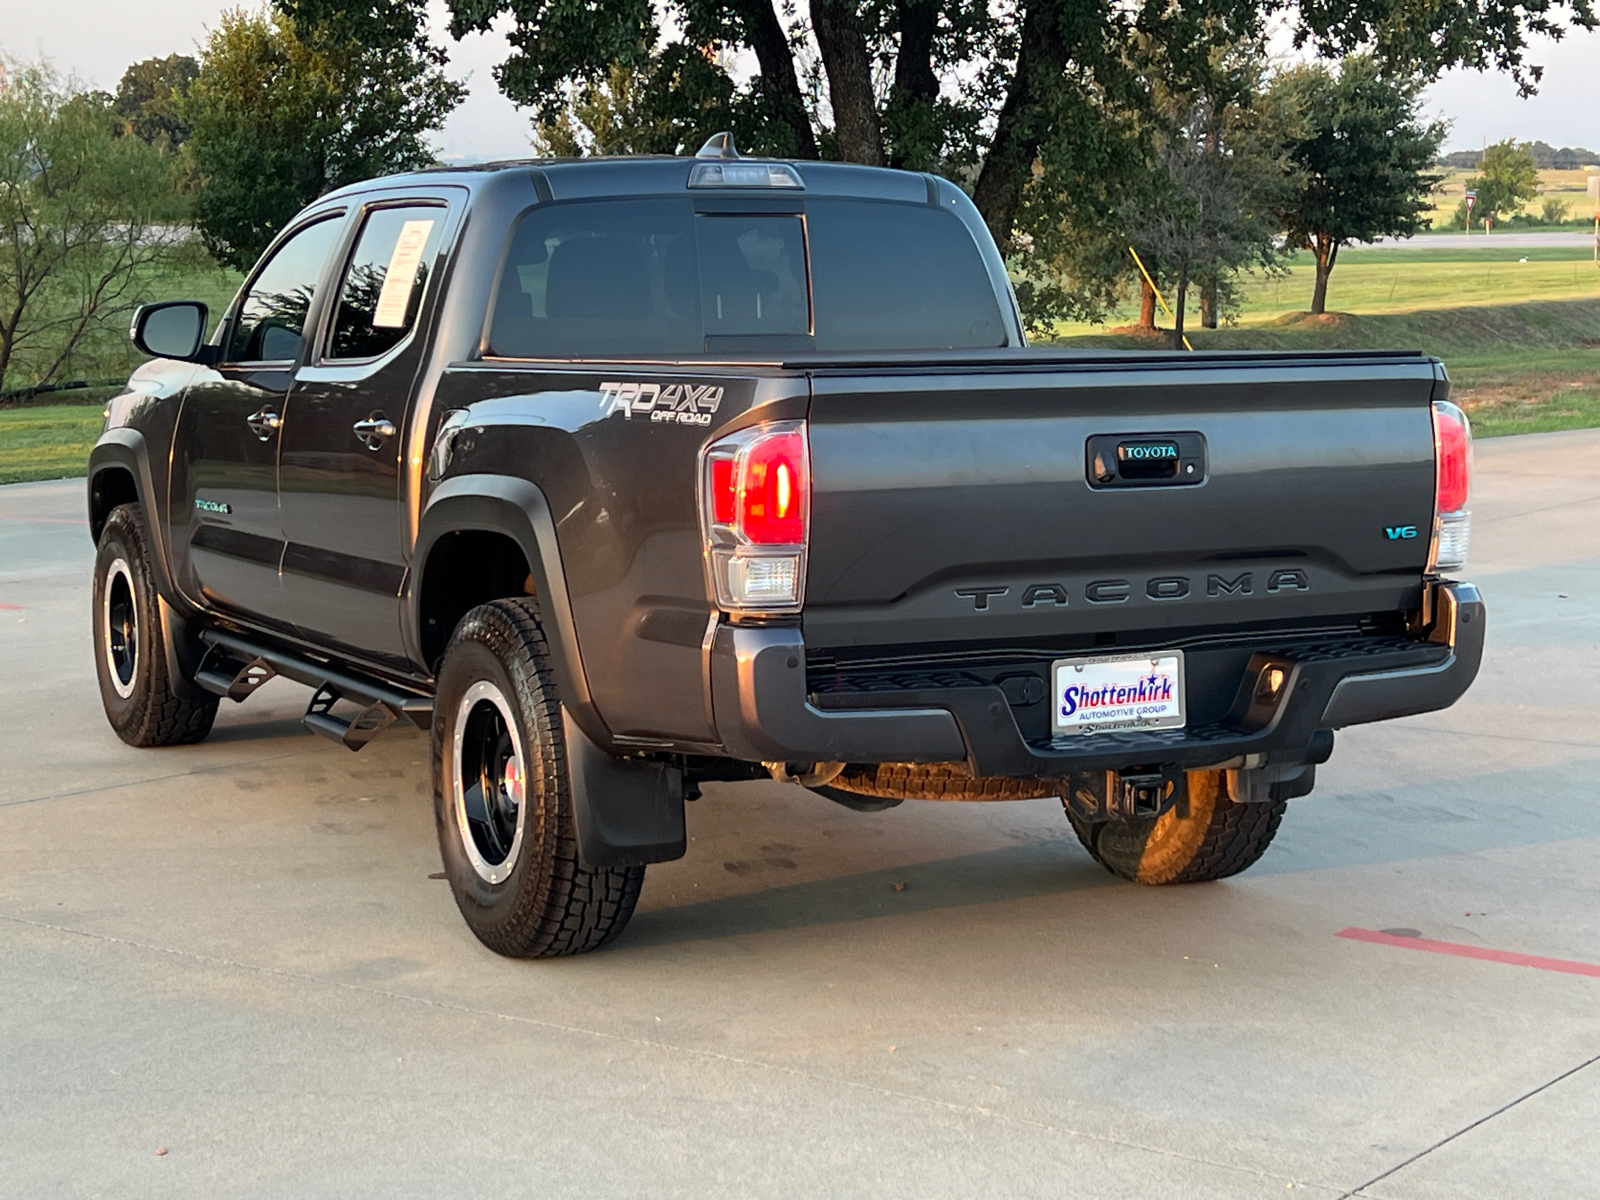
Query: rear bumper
765,711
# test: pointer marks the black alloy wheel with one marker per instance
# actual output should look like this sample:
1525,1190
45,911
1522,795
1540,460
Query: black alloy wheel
147,702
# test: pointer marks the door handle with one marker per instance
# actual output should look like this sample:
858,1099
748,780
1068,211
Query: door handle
375,430
264,423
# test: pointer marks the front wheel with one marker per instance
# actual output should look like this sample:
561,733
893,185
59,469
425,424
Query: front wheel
1213,838
130,652
503,801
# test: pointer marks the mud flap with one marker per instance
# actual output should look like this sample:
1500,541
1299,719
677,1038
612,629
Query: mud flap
629,812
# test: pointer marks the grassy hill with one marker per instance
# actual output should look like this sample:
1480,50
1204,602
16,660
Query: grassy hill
1517,368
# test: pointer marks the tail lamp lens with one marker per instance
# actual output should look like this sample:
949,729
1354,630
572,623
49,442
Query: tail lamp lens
755,507
1452,521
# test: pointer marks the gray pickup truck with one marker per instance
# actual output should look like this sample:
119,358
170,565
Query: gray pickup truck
621,476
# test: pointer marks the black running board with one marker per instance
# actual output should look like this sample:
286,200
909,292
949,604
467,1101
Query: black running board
235,667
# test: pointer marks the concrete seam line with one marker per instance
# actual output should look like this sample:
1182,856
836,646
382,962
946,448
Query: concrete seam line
626,1039
1432,730
1533,512
1469,1128
112,787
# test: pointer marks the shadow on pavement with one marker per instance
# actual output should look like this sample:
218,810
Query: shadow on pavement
990,877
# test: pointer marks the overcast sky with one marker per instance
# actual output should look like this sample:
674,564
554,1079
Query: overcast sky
96,39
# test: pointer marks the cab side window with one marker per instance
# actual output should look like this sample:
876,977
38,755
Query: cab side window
385,280
272,316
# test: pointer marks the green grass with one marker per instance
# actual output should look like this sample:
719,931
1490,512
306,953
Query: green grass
188,273
1517,368
47,441
1400,281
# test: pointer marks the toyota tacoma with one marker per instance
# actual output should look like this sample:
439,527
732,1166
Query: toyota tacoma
621,476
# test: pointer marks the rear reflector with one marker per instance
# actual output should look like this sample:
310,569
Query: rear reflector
755,505
1452,519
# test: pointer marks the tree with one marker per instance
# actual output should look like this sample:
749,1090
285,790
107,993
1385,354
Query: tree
293,103
1360,152
670,105
1509,178
79,232
1213,209
151,97
1040,107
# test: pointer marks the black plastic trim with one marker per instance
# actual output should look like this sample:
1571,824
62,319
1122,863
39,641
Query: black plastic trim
764,714
758,694
518,509
1382,695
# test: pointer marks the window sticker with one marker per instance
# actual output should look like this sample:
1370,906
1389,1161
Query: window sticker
395,297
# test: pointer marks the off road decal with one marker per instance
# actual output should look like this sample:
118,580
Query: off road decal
672,403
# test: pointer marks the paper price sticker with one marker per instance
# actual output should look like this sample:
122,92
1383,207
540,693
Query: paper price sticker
395,297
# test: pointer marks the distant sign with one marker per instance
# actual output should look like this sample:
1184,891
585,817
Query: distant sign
1472,198
1594,187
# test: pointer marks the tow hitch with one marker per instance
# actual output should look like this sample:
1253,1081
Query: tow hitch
1136,795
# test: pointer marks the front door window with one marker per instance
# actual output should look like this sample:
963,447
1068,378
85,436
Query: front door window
272,316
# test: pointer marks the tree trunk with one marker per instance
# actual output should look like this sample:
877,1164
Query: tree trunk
767,38
909,123
1147,305
1020,130
1208,304
1325,252
913,63
849,68
1177,306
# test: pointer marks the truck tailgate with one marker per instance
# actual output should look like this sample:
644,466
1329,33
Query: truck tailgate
960,502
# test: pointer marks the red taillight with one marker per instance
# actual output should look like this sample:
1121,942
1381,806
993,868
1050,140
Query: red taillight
1452,446
1452,458
757,501
772,494
724,492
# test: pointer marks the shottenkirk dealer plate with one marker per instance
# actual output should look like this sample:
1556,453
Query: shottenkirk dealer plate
1118,691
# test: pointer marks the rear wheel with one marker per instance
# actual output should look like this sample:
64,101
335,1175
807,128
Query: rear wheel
502,796
137,687
1214,838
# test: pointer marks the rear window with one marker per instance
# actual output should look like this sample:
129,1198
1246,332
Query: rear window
898,277
625,278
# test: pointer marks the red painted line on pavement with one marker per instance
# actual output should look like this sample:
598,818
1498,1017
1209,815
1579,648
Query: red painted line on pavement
10,608
1564,965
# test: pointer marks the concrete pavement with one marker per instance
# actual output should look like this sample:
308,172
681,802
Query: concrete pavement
235,952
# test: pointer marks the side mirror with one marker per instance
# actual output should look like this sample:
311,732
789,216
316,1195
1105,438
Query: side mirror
173,329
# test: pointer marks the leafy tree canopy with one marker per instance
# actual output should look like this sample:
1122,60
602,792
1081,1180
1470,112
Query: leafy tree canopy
1508,179
1045,109
81,224
309,97
1360,152
151,96
1213,201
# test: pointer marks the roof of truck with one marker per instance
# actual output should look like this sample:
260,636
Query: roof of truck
636,174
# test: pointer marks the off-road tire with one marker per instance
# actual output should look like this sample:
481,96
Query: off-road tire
1213,839
938,781
549,904
137,687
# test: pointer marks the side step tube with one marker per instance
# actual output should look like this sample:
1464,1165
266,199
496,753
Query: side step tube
235,667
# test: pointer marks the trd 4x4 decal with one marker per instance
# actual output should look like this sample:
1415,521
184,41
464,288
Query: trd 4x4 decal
672,403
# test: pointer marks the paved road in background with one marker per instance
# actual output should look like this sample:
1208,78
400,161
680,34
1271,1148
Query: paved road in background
235,951
1475,241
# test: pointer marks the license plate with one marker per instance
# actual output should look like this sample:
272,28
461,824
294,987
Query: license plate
1118,691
